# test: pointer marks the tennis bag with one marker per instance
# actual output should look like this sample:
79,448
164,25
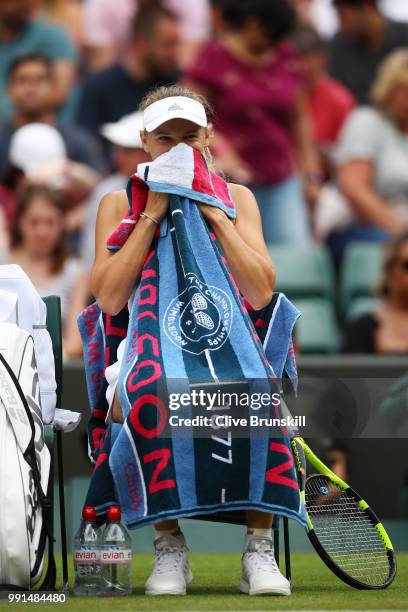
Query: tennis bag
25,509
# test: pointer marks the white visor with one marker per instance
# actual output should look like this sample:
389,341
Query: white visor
175,107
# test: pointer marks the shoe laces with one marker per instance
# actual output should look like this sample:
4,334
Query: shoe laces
260,553
169,555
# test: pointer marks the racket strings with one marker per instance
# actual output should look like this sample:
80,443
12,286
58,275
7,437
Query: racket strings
346,532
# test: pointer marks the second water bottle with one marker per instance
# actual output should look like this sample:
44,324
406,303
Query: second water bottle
115,556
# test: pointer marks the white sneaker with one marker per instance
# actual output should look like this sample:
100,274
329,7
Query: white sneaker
171,572
260,572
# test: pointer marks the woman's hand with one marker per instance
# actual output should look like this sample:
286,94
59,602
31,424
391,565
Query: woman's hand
157,205
244,247
212,213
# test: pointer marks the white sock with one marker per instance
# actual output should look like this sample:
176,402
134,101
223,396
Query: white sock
256,531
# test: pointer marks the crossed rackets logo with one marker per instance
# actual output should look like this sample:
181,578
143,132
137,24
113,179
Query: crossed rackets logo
196,309
199,318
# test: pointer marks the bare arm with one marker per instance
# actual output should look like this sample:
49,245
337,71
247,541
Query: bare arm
308,158
244,247
115,275
355,179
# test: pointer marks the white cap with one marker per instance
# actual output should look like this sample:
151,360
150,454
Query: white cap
126,131
174,107
34,145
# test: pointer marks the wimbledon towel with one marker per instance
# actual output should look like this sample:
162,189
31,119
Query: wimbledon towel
188,324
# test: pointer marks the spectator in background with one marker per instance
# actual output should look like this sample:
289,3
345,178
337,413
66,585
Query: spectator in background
29,87
217,21
322,15
319,14
106,27
38,154
25,155
254,80
365,38
328,101
127,153
106,31
338,455
37,244
20,34
372,158
386,329
66,13
151,60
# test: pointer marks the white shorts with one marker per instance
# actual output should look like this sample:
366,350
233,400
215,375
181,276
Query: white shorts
112,377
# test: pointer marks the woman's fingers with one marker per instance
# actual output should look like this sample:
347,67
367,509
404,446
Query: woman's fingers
157,204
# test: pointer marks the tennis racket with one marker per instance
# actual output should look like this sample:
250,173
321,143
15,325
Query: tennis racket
343,529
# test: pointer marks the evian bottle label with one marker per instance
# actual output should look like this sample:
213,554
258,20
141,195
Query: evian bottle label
116,556
85,556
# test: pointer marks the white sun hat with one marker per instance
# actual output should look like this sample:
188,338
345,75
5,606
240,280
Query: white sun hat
174,107
34,145
126,131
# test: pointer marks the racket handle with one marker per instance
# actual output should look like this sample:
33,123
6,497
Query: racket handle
300,461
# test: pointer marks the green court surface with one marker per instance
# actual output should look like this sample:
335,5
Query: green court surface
215,588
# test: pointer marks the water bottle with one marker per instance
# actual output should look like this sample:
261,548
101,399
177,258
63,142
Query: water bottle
88,579
116,556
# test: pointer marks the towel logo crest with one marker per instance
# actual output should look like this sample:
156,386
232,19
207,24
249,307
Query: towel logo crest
199,318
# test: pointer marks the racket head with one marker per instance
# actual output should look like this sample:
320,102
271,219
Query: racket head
347,534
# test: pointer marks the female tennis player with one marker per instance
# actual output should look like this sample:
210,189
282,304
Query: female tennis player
112,283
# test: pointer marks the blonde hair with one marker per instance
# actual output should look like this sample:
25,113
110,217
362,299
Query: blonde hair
393,71
169,91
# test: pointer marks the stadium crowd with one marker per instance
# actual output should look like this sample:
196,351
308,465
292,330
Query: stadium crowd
310,102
